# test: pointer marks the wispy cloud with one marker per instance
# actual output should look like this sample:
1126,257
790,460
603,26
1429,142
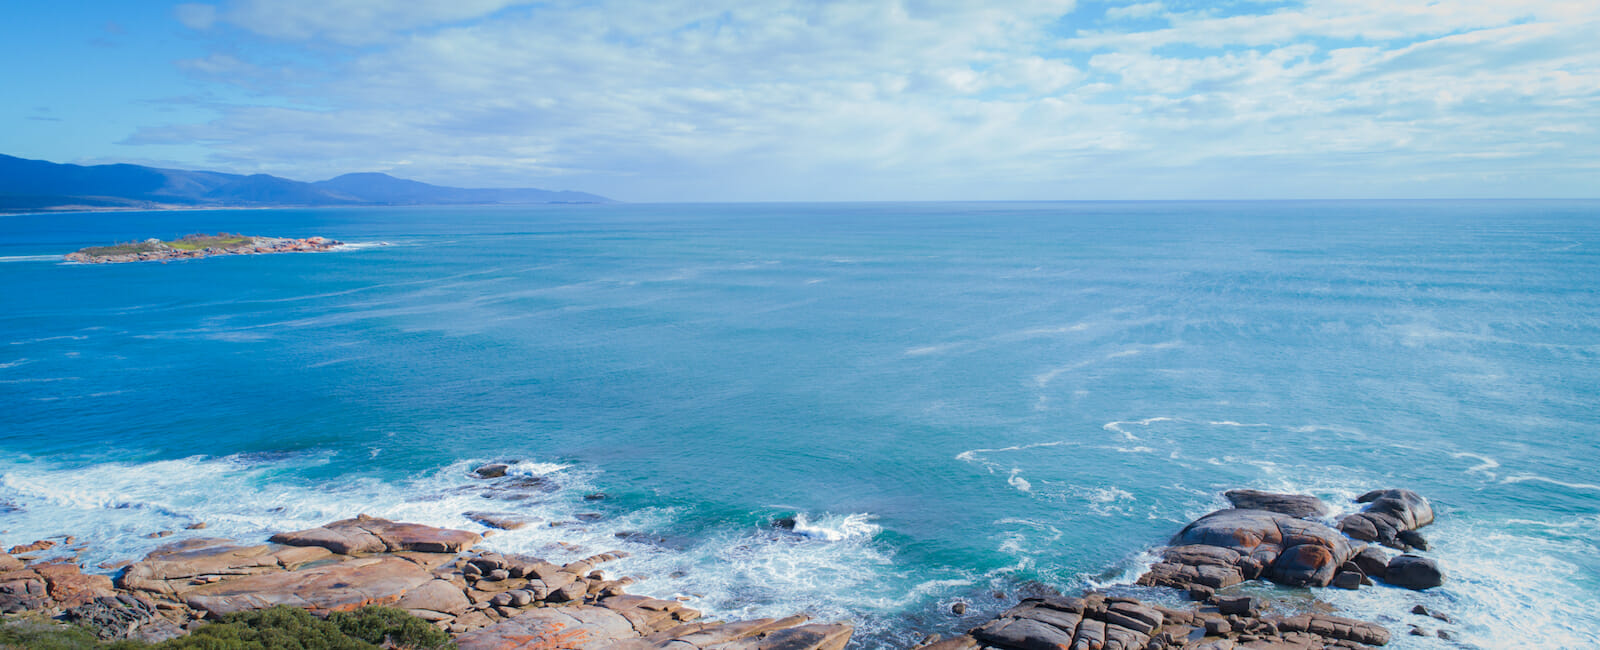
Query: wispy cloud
902,99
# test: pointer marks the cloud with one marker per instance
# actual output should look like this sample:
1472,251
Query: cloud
906,99
196,16
354,21
1134,11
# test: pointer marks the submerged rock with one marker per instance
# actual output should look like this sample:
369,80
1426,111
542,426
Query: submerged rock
500,520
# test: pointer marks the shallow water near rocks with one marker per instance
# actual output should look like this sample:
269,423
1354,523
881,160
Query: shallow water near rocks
950,399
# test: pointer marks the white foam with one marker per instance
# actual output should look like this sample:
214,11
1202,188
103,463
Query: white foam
1503,590
534,468
1043,379
30,258
836,529
360,245
47,339
1016,481
971,455
1116,426
1524,478
1134,567
831,566
931,349
1485,463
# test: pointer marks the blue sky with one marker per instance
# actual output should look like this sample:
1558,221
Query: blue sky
660,100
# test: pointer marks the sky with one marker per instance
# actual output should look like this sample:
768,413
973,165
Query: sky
791,100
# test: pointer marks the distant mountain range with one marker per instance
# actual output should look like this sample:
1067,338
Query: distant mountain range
38,185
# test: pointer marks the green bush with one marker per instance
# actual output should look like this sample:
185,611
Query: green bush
396,627
277,628
26,634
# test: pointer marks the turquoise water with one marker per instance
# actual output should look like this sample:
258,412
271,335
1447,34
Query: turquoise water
955,398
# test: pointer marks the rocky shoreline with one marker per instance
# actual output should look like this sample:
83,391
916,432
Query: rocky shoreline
193,247
484,599
1264,536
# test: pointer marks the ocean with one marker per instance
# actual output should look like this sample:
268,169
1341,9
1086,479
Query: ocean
951,399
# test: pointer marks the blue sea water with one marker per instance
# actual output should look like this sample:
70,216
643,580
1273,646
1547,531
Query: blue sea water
954,399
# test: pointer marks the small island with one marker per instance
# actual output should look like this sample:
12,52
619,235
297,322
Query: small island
197,246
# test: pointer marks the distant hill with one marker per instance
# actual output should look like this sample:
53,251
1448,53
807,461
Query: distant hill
38,185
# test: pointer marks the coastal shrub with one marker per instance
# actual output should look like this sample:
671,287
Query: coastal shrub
28,634
291,628
388,625
275,628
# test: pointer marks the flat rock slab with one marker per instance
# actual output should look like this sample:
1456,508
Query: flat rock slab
552,627
373,535
618,626
1294,505
335,587
178,567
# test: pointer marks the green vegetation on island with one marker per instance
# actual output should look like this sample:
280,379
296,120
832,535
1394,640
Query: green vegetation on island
192,242
198,245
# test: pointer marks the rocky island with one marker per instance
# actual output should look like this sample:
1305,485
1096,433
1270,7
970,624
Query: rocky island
197,246
401,583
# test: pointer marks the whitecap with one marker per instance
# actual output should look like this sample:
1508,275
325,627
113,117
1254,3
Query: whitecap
1016,481
972,454
1485,463
1116,426
836,529
359,245
931,349
68,337
1523,478
1135,566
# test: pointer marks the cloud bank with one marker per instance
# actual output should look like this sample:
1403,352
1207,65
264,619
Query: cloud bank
794,100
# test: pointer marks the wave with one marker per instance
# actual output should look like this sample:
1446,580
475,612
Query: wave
1524,478
836,529
1485,463
1116,426
1015,480
829,565
30,258
360,245
971,454
47,339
